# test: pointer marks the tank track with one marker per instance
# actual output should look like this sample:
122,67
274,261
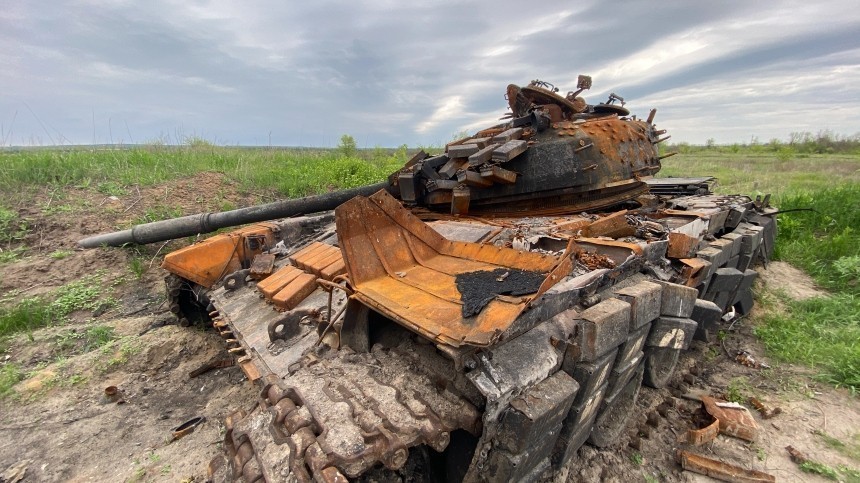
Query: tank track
344,411
186,300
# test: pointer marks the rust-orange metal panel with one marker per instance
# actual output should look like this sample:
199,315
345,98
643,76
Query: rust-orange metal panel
301,257
682,245
205,263
609,225
720,470
333,270
296,291
317,265
405,270
278,280
693,270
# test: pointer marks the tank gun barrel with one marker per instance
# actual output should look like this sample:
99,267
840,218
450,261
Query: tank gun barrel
208,222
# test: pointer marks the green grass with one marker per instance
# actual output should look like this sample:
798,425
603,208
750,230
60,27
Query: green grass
33,313
816,468
10,374
25,316
119,351
850,449
822,332
83,294
754,173
156,213
11,254
839,473
825,243
738,390
296,172
12,228
60,254
79,341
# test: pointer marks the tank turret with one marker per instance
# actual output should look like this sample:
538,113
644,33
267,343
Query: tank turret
553,155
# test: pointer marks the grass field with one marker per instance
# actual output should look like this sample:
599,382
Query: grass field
287,172
823,333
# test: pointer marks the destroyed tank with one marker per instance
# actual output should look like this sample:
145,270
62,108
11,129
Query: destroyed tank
481,314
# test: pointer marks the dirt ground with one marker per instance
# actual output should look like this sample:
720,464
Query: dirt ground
60,426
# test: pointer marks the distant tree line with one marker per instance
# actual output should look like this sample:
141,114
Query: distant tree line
824,142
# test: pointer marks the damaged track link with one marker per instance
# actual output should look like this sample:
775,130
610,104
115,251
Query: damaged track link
346,412
173,286
186,300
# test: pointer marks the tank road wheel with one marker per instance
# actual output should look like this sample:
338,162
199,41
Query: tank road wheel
613,418
187,301
660,363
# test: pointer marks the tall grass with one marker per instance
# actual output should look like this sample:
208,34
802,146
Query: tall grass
289,172
822,332
826,242
753,173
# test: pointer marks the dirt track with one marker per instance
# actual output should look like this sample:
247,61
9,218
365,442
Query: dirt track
62,428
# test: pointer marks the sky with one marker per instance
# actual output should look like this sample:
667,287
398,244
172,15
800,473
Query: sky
418,73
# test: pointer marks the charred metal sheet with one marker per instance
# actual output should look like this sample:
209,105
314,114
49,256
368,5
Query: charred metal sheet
613,225
462,231
681,186
497,174
262,266
478,288
462,150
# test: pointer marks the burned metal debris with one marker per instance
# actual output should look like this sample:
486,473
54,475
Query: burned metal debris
477,289
489,308
720,470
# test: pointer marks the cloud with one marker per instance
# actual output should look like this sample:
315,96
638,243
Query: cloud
417,72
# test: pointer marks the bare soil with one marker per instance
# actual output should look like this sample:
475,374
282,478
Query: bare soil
60,426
